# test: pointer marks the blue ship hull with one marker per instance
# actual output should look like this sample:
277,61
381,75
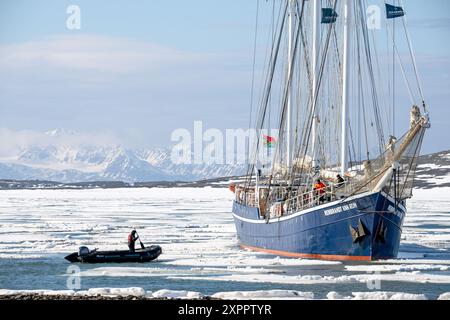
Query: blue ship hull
364,228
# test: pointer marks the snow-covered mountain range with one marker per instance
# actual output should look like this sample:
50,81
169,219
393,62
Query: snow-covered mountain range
59,159
86,162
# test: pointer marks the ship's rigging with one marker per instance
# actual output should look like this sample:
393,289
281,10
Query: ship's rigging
338,178
325,88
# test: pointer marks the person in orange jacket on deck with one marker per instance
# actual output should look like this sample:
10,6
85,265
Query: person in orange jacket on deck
320,190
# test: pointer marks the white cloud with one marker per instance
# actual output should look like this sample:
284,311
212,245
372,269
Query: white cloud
93,52
101,66
12,141
93,82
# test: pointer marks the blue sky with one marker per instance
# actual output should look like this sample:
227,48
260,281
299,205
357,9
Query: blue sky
140,69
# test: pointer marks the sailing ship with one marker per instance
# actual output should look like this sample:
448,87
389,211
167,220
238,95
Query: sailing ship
338,178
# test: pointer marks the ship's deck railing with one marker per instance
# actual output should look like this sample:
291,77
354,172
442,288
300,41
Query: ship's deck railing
245,196
279,205
312,198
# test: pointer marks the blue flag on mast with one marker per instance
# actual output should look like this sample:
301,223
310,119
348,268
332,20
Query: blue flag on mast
329,15
394,12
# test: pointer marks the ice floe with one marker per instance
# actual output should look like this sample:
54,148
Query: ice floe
4,292
229,295
196,230
265,295
387,296
377,295
398,267
444,296
178,294
134,291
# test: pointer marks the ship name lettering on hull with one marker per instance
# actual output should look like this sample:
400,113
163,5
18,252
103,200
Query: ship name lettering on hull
340,209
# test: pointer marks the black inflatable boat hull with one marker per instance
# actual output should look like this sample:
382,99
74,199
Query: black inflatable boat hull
140,255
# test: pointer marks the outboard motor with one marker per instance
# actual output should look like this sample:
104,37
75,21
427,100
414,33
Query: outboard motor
83,251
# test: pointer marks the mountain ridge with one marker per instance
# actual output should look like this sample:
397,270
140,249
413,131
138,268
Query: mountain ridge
107,163
433,171
70,157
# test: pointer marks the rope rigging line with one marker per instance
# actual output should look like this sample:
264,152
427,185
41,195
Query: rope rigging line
402,68
374,93
281,125
253,70
413,58
261,118
308,127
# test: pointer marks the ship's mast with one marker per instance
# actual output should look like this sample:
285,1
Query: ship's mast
345,85
289,135
315,59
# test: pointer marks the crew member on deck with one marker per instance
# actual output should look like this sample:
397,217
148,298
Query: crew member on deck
320,190
132,237
339,181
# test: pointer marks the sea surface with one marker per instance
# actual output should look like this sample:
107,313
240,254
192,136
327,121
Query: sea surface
195,228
